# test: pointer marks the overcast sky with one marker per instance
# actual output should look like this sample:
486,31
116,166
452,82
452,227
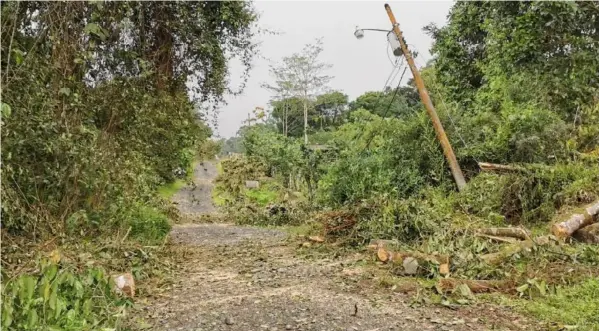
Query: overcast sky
358,65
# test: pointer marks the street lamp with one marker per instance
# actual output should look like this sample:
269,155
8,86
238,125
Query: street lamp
391,37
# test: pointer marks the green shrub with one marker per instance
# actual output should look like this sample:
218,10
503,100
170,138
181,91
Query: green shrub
407,220
59,298
533,196
148,223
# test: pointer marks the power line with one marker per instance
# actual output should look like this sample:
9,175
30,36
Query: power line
388,106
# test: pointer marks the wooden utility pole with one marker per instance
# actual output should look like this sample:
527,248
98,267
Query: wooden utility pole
428,104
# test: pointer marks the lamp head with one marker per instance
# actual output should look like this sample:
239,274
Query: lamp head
359,33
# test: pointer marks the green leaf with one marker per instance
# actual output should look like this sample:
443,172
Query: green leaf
50,272
95,29
6,110
464,290
18,56
32,318
65,90
522,288
53,299
27,288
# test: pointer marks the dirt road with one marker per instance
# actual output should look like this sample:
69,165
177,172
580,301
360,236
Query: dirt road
245,278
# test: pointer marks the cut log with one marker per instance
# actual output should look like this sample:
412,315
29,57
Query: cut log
498,257
518,233
444,269
589,234
476,286
587,216
385,255
382,255
484,166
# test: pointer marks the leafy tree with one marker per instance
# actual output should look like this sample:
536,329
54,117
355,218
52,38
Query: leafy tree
331,108
100,113
231,145
388,103
549,46
289,115
301,75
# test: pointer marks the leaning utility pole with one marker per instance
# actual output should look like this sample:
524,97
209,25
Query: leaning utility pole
428,104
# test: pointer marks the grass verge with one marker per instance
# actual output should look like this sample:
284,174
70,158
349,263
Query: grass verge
168,190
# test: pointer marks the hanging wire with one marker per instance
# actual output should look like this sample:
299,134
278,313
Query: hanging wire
388,106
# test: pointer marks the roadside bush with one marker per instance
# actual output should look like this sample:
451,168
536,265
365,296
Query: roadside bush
531,197
60,298
393,156
517,133
148,223
407,220
235,171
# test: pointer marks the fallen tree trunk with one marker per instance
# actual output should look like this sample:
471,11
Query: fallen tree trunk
517,233
589,234
410,260
476,286
484,166
587,216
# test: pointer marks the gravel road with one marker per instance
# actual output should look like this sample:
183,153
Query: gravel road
246,278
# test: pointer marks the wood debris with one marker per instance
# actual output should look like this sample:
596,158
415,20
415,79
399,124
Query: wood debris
125,284
587,216
317,239
589,234
444,269
485,166
518,233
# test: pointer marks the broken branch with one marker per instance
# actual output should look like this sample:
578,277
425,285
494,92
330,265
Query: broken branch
484,166
517,233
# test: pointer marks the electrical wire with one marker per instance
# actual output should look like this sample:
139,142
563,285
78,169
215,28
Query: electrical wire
388,106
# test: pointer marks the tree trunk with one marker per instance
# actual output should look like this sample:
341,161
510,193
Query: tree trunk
285,121
589,234
577,221
306,120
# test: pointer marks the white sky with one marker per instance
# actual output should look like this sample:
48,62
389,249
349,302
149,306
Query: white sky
358,65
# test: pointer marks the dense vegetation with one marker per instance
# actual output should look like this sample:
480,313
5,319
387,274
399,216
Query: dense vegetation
102,112
101,104
513,82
